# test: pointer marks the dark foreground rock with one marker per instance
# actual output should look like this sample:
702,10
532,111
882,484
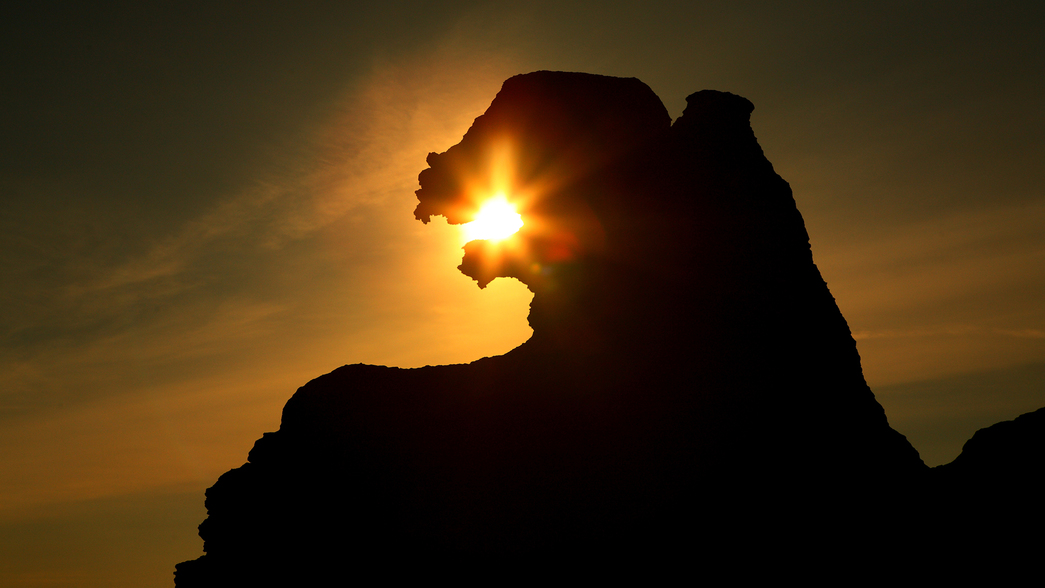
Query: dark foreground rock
691,390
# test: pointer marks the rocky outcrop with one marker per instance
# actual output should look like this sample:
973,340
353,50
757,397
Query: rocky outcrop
690,380
1000,453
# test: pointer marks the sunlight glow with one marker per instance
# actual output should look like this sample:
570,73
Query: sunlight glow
497,219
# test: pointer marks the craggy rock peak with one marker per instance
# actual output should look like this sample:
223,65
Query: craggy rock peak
690,383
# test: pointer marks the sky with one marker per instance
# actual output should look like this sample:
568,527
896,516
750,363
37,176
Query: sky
205,205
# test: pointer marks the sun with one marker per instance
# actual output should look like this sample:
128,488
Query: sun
497,219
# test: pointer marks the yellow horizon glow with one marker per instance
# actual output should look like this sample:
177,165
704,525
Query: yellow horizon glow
497,219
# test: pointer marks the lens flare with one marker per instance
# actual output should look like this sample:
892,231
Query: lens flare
497,219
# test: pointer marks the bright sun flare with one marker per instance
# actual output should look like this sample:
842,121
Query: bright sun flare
496,220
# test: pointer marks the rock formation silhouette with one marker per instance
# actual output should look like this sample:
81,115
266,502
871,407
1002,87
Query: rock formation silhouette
690,383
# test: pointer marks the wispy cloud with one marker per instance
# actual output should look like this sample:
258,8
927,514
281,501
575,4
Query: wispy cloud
209,324
948,331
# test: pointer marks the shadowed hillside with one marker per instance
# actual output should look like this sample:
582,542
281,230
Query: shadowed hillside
690,383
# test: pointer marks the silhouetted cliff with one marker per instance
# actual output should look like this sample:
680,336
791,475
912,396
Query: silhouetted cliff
690,380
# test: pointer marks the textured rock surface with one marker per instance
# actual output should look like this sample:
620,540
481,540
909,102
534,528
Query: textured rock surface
690,380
